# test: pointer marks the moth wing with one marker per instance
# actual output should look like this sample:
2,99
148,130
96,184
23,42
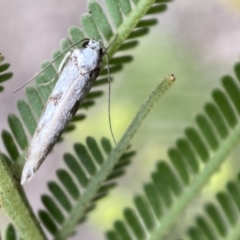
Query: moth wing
51,110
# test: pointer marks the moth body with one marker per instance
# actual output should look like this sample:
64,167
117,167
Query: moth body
75,81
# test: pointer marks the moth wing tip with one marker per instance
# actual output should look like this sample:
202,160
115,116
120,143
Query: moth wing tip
23,180
27,174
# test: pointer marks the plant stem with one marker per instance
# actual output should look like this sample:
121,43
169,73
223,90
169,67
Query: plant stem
16,206
79,210
129,24
201,179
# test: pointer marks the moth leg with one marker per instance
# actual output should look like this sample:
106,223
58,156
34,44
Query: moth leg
47,83
64,61
60,68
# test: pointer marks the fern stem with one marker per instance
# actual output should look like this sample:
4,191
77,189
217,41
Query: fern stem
128,25
14,202
78,211
201,179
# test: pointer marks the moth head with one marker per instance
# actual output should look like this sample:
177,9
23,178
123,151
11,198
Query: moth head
94,44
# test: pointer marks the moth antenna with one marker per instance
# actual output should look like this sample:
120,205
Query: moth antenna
109,98
66,50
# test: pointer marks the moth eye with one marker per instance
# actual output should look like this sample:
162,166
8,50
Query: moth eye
85,43
101,51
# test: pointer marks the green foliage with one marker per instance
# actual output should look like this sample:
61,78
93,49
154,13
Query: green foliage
10,233
91,172
193,160
4,75
83,168
219,218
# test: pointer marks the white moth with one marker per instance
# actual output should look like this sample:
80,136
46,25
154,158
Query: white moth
80,70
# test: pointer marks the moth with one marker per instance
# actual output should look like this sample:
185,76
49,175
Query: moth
80,69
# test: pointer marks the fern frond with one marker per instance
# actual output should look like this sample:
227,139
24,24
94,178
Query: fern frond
95,24
100,178
10,233
1,57
220,218
4,74
130,26
65,202
193,160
